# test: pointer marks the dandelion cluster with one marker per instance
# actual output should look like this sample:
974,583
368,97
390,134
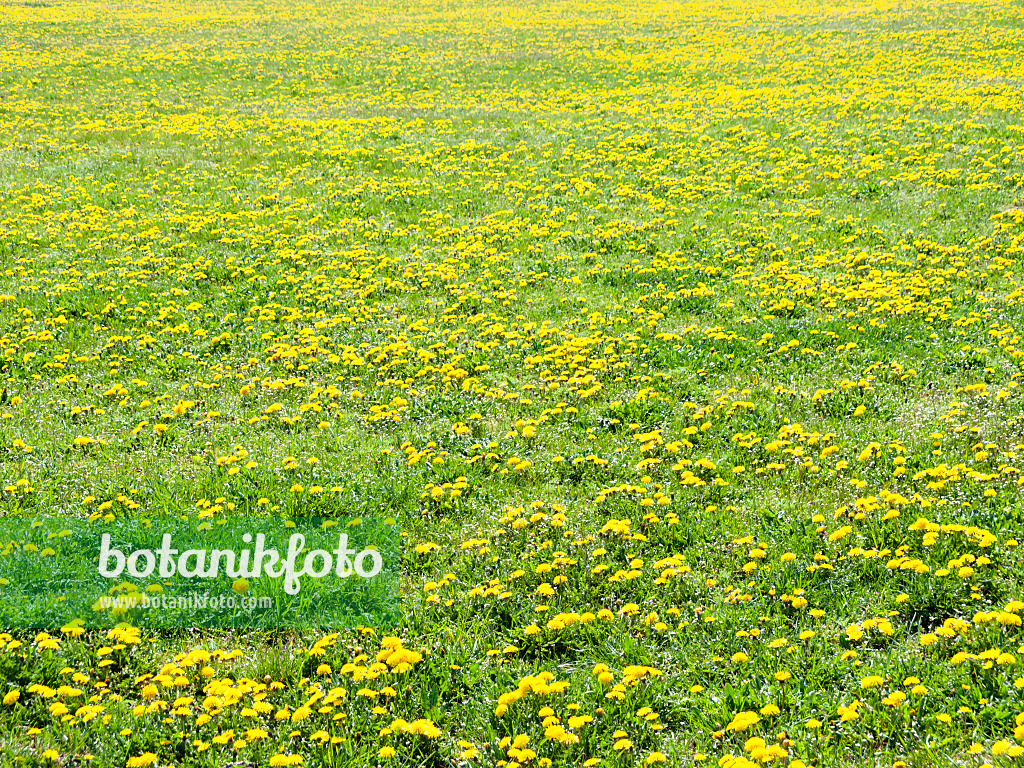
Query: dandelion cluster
683,340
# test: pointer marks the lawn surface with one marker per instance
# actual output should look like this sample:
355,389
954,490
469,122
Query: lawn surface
682,339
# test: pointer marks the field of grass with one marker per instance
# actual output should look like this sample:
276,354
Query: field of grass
683,339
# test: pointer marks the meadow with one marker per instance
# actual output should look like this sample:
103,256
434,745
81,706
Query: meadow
683,339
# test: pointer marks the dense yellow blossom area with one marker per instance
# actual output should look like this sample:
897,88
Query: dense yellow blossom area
682,338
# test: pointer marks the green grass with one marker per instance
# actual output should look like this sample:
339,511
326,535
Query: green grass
749,276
